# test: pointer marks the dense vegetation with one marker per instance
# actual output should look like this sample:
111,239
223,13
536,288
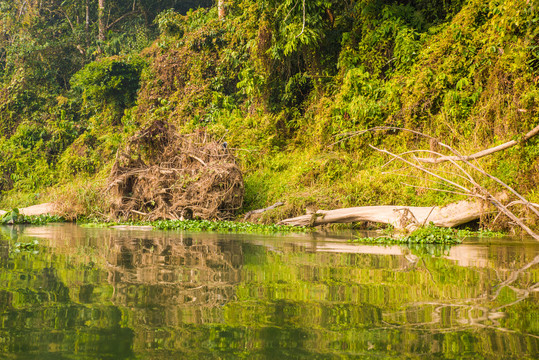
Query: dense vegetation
287,84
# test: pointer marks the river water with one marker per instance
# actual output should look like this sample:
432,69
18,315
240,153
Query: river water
68,292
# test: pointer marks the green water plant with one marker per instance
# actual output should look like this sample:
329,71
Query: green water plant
41,219
207,225
430,234
14,217
11,217
31,247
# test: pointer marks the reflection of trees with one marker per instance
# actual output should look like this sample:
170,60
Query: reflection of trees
40,312
178,296
482,311
513,276
417,302
179,270
154,268
130,289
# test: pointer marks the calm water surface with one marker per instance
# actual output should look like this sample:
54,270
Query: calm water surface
111,294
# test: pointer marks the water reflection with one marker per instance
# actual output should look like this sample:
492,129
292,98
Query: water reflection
96,293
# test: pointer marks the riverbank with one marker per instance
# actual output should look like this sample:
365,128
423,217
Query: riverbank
296,123
429,234
47,213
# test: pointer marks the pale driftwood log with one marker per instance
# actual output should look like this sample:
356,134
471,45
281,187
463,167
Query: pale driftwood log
400,217
41,209
482,153
259,211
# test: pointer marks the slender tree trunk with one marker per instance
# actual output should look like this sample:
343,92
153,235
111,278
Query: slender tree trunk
101,19
87,24
221,9
87,20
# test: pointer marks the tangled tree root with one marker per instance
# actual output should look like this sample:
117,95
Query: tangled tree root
161,174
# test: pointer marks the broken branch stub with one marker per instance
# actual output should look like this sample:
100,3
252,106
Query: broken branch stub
260,211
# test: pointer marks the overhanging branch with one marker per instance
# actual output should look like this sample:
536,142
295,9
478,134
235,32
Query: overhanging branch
482,153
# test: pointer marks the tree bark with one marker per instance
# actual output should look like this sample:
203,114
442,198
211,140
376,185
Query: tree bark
101,19
221,9
87,23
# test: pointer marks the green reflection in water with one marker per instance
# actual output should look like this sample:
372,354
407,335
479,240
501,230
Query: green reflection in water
106,294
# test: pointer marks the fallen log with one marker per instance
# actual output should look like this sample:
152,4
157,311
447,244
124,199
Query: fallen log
41,209
400,217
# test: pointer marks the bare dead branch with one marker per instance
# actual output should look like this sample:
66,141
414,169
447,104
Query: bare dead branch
513,191
442,190
483,153
259,211
460,156
109,26
467,176
517,202
422,169
484,192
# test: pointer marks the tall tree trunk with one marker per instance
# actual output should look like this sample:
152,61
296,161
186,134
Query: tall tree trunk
101,19
87,23
221,9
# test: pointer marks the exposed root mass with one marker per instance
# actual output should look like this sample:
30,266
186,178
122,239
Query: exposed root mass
161,174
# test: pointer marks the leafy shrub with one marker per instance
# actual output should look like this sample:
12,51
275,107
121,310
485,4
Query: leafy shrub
429,234
110,83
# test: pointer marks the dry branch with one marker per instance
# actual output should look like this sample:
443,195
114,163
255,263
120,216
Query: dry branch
477,191
483,193
259,211
482,153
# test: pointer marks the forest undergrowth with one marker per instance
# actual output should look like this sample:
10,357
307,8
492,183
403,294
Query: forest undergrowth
288,88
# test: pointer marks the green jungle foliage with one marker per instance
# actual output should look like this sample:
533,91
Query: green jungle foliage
287,84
